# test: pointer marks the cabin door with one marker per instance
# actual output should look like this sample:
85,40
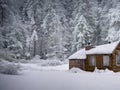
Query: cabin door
99,61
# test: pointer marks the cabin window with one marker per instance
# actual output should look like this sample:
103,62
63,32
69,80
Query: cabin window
118,57
92,61
106,60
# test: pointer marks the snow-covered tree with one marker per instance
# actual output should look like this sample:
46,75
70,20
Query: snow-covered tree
34,39
114,21
62,26
83,32
56,27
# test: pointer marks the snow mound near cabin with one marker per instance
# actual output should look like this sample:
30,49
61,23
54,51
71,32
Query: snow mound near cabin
76,70
96,71
102,71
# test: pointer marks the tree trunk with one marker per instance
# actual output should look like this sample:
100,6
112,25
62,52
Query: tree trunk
34,53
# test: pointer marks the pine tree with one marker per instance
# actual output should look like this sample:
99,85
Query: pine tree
114,21
83,32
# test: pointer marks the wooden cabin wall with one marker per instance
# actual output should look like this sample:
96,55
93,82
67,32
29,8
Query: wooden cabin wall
111,62
87,66
71,64
98,62
115,67
76,63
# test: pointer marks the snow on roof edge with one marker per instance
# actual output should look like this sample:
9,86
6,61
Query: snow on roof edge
78,55
101,49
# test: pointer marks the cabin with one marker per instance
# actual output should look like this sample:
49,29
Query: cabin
102,57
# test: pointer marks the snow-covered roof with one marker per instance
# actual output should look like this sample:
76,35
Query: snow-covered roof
101,49
79,55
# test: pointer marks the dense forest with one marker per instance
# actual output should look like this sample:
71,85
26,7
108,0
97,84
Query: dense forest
54,29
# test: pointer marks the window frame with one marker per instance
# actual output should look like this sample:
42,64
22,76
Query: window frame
92,61
107,61
118,64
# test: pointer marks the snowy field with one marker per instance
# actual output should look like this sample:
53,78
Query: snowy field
36,77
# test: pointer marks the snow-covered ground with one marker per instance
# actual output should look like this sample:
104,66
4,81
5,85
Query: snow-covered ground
36,77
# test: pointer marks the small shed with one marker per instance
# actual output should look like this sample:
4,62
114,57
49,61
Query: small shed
102,57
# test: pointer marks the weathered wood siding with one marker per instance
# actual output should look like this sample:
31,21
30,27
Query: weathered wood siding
115,67
76,63
98,62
